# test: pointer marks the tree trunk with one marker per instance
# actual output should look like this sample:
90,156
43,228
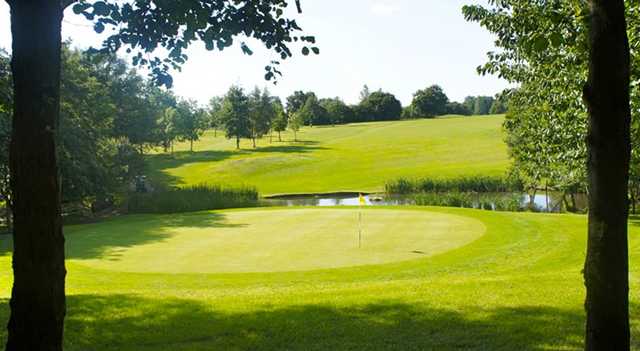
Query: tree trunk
606,94
254,142
546,194
38,297
279,137
191,145
8,216
237,143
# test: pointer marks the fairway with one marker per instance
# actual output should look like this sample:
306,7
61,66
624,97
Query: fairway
267,240
355,157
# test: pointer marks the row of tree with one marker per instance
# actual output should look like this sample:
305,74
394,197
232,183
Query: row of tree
383,106
250,116
109,116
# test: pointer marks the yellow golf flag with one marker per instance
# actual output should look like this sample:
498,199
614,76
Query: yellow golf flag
362,201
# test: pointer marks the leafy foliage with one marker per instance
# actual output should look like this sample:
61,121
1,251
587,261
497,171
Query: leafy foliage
429,102
337,111
234,115
543,48
261,113
142,26
379,106
190,121
312,113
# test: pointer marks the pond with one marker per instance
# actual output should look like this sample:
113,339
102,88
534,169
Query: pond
490,201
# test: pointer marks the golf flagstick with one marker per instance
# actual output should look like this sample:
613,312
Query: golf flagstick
362,203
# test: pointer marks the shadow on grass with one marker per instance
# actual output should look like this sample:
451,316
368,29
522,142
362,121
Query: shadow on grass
124,322
6,244
289,149
105,240
634,220
157,164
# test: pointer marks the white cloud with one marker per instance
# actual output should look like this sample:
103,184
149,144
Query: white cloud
383,9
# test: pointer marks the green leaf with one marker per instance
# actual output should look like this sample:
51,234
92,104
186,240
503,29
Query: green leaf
315,50
98,27
100,8
80,8
540,44
556,39
305,51
246,49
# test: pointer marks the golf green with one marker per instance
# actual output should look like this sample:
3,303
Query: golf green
268,240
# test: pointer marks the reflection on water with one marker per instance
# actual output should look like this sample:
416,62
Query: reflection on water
553,202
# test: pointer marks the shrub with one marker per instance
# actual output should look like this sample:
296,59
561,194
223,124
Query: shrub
480,184
496,202
193,198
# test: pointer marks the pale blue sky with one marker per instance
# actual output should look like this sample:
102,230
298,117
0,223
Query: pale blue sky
396,45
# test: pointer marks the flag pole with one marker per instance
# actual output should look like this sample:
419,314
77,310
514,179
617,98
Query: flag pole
360,228
362,202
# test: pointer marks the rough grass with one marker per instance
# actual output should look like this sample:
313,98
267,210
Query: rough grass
192,198
356,157
476,183
517,287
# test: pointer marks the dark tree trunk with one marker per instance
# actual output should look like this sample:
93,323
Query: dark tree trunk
237,143
8,216
279,137
38,296
191,145
606,94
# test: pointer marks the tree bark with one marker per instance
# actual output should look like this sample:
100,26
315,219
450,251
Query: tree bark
38,296
606,94
237,143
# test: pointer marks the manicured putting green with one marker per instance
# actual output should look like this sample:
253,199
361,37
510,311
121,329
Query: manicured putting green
267,240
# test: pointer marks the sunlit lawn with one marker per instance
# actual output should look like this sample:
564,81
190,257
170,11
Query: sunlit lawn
356,157
513,282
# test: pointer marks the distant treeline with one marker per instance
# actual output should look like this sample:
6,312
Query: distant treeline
383,106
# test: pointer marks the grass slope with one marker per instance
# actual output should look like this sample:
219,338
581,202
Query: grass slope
517,287
356,157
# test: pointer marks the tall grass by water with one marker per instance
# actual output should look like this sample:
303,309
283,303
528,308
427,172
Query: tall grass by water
485,201
193,198
471,184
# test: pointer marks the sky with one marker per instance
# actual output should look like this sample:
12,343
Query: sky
398,46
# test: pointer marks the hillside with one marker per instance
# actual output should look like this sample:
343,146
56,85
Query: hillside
356,157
